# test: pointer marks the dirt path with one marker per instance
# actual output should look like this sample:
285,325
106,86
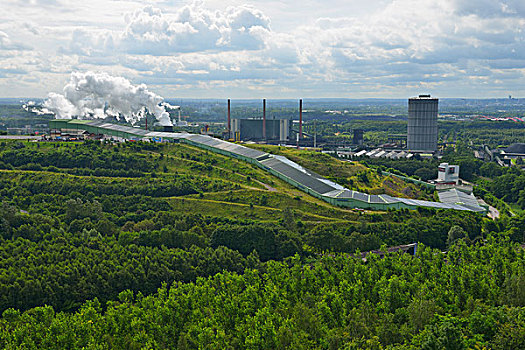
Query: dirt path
268,187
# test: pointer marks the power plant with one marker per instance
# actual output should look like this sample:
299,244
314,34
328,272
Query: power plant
422,129
262,129
251,129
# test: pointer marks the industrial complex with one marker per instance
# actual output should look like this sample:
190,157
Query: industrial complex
251,129
261,129
279,166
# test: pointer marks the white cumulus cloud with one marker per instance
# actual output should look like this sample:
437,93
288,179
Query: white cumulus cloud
194,28
319,48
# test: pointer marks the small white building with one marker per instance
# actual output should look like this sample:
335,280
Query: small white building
448,174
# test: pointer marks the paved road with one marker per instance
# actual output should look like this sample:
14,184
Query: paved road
19,137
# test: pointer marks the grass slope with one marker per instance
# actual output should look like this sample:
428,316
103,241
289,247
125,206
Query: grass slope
225,187
352,175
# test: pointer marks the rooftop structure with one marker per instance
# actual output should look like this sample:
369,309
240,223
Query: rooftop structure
512,153
457,197
405,248
380,153
515,148
422,132
372,152
448,174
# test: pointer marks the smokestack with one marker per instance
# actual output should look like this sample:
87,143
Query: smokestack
229,121
300,119
146,122
264,118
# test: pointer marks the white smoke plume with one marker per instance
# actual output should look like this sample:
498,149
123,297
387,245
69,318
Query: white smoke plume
92,95
31,106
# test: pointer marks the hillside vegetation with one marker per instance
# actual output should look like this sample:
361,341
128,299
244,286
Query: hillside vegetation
352,175
138,245
470,299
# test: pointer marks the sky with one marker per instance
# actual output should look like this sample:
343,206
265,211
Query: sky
268,49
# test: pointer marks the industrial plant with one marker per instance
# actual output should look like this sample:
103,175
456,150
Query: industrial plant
262,129
283,168
421,138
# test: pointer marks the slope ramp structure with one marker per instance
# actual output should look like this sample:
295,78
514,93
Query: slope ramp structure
281,167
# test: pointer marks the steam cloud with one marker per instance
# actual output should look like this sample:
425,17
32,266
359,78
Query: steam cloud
98,95
31,106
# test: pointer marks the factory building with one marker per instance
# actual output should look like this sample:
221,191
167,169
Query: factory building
422,130
262,129
251,129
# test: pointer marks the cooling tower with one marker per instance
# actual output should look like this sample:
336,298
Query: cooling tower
422,131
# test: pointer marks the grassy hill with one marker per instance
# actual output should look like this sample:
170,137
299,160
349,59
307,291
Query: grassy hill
80,221
352,175
136,182
186,177
139,245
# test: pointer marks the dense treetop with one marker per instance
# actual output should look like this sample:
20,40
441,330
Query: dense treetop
167,246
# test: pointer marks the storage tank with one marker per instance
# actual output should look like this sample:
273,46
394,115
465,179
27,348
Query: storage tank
422,130
358,137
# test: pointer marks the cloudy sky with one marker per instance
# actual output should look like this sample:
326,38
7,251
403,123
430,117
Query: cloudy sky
273,49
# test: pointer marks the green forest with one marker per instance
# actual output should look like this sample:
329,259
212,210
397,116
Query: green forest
146,246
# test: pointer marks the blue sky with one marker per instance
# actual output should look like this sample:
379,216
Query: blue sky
273,49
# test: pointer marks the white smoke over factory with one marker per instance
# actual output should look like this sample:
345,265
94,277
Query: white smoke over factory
31,106
92,95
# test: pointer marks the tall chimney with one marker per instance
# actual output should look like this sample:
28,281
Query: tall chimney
229,121
300,119
146,122
264,118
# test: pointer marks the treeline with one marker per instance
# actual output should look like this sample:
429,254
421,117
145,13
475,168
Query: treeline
471,297
89,155
432,230
32,183
67,270
491,133
65,260
423,169
510,186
